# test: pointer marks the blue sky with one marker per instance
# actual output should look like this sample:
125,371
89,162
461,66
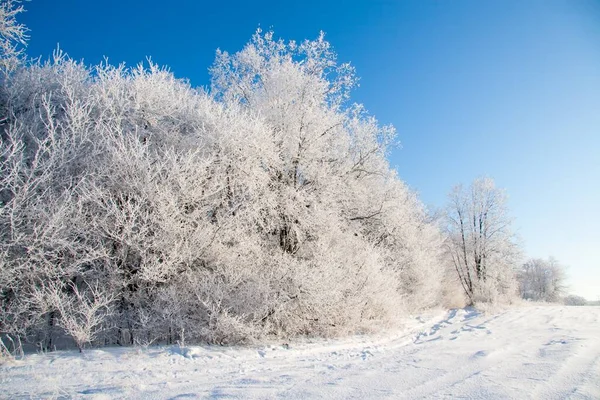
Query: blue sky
508,89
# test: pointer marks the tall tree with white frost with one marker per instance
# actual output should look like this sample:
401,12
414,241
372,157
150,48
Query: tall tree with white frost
480,242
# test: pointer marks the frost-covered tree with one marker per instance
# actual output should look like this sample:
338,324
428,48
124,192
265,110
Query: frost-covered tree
481,243
13,35
542,280
574,300
328,157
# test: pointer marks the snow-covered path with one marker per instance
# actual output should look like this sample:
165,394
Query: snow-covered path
545,352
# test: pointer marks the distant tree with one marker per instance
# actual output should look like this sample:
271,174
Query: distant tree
542,280
574,300
593,303
481,242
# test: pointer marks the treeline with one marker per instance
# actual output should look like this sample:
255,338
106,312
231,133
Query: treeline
135,209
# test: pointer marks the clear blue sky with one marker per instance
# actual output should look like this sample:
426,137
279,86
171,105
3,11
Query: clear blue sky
507,88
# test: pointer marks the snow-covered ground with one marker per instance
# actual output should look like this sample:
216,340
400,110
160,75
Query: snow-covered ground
543,352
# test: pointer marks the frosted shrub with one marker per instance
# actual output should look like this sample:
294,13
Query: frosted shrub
82,314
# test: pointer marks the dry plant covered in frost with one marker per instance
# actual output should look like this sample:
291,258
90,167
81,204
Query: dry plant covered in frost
135,209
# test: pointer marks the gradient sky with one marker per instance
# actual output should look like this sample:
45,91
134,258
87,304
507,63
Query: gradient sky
509,89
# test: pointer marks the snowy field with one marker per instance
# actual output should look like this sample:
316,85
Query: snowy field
544,352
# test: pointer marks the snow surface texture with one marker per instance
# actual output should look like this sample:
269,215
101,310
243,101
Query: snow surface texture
542,352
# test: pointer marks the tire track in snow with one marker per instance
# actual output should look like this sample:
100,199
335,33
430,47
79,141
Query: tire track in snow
578,374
